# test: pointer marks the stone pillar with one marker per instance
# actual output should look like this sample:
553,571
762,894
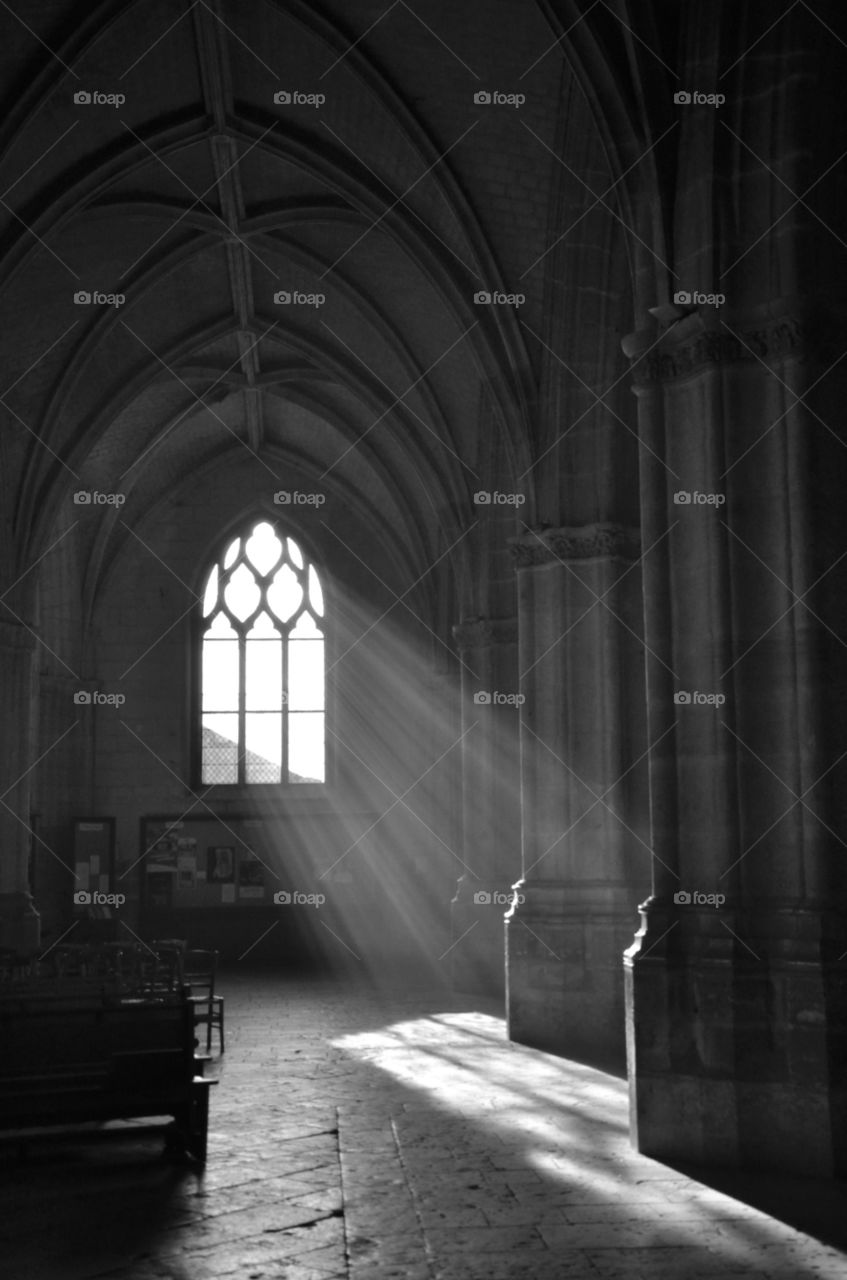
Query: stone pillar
585,851
19,921
490,802
736,984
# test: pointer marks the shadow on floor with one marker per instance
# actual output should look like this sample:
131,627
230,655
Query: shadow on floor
815,1206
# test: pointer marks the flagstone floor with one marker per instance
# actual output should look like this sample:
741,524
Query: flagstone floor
367,1134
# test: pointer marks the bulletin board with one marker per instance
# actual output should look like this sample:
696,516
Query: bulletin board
197,862
93,856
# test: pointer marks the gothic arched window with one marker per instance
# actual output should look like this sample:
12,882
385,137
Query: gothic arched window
262,672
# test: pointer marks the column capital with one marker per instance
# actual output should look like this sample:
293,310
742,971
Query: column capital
587,542
715,336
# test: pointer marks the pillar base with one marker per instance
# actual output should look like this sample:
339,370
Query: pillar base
564,989
20,924
738,1057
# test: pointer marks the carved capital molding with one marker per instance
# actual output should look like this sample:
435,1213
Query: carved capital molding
689,346
480,633
590,542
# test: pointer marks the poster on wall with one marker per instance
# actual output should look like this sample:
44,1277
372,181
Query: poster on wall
220,864
186,870
162,845
205,862
251,877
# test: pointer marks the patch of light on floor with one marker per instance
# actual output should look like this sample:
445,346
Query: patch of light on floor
565,1121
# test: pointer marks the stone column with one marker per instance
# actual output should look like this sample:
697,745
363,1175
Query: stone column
490,801
736,983
585,850
19,921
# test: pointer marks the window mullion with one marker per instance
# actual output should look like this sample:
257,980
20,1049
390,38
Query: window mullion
284,775
242,700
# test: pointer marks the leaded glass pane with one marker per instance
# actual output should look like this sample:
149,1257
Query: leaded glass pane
263,548
263,675
211,597
241,593
316,595
306,675
306,751
285,593
263,756
220,749
220,675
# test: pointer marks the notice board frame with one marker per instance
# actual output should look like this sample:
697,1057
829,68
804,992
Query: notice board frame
193,862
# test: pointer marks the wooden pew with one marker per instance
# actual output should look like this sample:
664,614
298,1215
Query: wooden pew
79,1055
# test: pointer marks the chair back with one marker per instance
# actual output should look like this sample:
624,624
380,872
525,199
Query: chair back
199,970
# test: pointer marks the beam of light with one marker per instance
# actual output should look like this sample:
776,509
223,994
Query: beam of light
383,841
390,835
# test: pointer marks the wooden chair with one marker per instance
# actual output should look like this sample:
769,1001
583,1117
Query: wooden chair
200,969
69,960
171,953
